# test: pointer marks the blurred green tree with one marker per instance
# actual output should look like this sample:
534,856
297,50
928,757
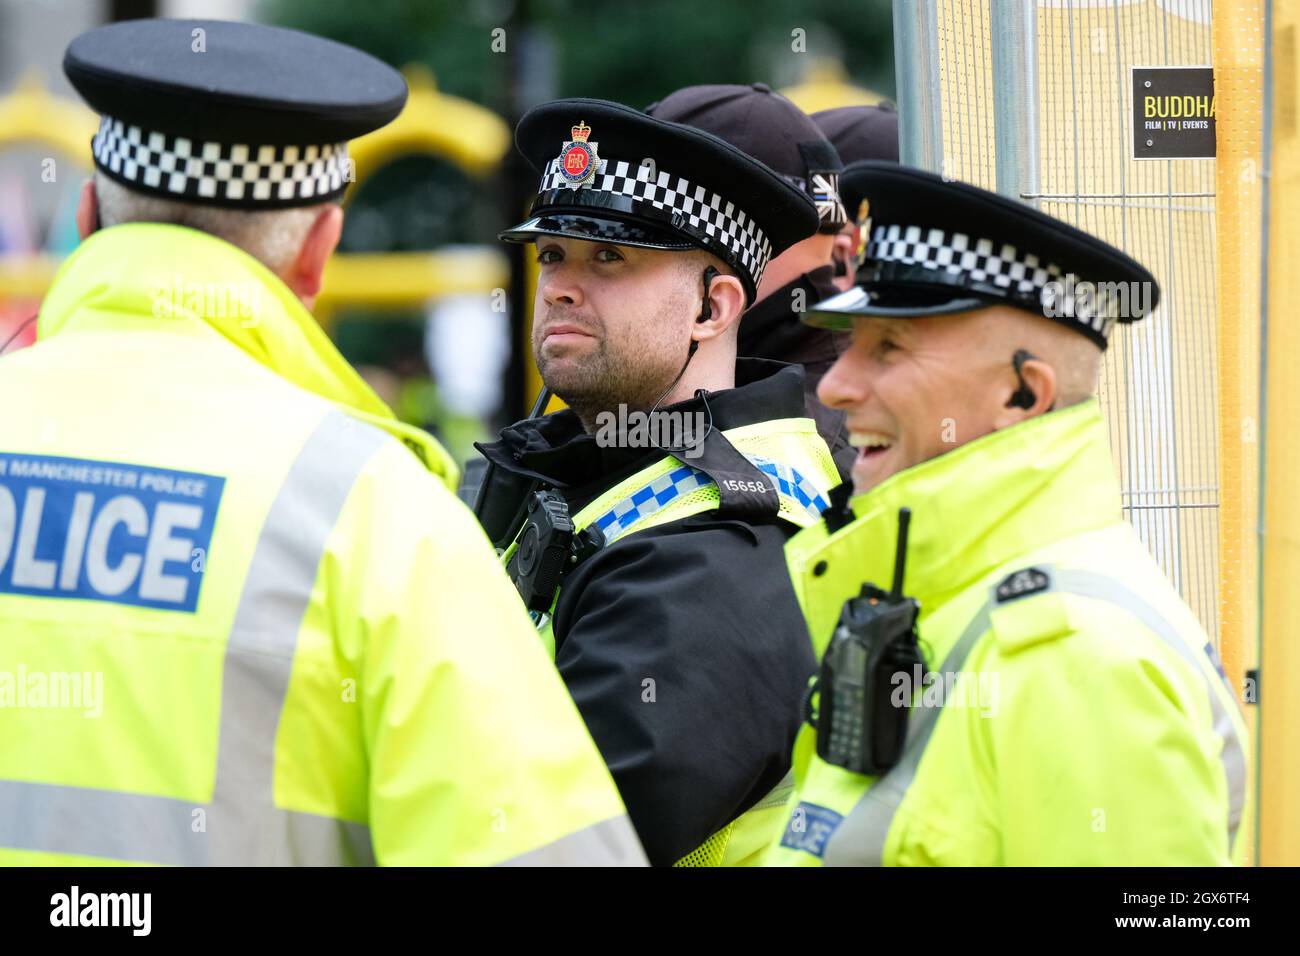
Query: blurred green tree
631,52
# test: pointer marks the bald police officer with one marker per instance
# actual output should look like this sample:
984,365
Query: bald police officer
1055,702
273,634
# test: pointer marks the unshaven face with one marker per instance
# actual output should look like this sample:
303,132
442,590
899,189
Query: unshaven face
611,324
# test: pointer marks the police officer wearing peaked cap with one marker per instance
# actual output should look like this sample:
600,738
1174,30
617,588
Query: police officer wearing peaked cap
769,127
1063,705
673,625
304,639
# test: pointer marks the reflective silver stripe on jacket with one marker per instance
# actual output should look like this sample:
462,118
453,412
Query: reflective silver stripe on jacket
860,839
1232,755
611,842
240,825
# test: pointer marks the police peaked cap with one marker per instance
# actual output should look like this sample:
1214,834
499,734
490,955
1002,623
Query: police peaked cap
229,114
614,174
936,248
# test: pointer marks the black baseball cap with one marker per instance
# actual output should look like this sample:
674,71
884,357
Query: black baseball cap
861,132
768,126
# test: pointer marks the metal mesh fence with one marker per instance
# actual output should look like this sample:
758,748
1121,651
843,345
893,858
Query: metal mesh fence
1034,99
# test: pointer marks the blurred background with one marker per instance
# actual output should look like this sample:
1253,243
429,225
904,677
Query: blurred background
421,298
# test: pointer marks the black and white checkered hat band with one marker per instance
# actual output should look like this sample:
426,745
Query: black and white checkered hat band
824,190
229,174
959,255
999,269
681,205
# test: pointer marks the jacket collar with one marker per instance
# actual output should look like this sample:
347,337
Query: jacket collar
974,509
772,329
152,277
556,449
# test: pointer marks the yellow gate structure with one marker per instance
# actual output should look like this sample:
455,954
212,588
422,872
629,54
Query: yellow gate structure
1033,99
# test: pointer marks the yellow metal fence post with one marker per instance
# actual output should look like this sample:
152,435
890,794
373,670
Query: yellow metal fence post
1239,95
1279,710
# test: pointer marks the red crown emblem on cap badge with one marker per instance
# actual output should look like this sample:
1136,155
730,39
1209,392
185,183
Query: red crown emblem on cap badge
578,160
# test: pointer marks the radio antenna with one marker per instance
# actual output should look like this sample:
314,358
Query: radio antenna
904,519
539,406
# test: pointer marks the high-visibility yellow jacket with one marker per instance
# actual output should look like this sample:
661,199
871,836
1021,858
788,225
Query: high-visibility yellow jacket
243,619
1076,714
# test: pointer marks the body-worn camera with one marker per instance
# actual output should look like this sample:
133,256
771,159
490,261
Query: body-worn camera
548,547
500,501
858,725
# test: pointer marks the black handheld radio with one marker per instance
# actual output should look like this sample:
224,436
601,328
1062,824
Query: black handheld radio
549,546
858,726
511,507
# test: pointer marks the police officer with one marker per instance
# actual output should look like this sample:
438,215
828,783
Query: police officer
216,541
667,489
770,128
1062,705
858,133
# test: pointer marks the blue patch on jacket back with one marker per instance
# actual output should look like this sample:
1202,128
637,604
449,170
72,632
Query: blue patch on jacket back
105,531
809,827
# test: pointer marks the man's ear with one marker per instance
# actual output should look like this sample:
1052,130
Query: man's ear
726,303
1035,397
87,210
843,256
303,275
